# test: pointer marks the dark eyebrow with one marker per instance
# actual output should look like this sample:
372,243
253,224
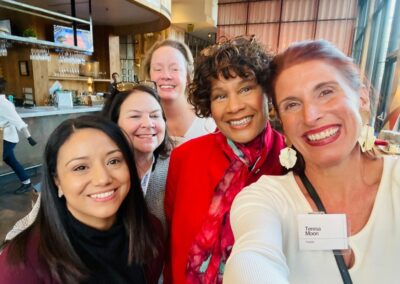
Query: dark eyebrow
242,82
85,157
287,99
140,111
322,84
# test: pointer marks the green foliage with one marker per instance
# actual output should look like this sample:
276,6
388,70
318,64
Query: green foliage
29,32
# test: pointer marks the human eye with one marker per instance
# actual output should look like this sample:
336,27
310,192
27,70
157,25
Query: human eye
245,90
80,168
156,68
156,115
289,106
115,161
325,92
218,97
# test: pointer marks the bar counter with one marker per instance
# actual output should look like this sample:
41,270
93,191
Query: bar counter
42,121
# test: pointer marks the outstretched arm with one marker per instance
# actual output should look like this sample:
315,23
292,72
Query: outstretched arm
257,255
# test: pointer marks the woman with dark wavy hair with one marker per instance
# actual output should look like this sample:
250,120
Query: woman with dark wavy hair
206,173
93,225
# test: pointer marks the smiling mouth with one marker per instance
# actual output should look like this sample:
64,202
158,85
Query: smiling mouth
145,135
241,122
323,134
166,86
102,195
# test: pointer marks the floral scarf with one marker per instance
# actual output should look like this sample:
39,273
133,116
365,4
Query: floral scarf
213,244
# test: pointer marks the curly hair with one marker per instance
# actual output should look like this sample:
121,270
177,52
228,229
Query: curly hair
243,57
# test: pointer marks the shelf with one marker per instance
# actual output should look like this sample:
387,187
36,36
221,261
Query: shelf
43,13
80,78
45,43
47,14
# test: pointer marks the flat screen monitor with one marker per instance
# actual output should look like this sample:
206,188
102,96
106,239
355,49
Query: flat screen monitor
65,35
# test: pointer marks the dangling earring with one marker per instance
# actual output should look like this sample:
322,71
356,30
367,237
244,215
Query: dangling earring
367,138
60,193
287,156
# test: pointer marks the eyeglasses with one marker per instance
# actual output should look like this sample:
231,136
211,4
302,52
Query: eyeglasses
126,86
223,42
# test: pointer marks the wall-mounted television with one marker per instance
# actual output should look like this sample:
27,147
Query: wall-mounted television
65,35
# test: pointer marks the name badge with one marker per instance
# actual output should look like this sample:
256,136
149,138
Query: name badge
322,231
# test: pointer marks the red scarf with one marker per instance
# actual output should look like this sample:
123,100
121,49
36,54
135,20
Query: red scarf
213,244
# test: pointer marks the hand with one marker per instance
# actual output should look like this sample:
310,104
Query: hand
31,141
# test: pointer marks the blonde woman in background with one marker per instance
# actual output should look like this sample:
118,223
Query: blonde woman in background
169,63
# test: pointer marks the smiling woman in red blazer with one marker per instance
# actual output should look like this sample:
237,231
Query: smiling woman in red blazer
206,173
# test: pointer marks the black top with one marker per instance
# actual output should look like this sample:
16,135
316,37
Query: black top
105,253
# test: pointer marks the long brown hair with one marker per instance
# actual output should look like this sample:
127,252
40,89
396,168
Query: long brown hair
55,248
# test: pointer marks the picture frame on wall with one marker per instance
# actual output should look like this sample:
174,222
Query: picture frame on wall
23,68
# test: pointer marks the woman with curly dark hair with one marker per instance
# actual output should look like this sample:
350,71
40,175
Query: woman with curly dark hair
206,173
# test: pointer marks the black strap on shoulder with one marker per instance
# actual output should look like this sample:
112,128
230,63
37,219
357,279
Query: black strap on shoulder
344,272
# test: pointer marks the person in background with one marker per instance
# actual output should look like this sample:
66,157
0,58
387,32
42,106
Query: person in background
139,113
207,172
323,106
169,64
113,84
10,122
93,225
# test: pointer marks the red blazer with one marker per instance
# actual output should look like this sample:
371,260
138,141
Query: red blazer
195,169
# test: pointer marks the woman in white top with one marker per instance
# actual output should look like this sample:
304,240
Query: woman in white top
320,100
10,122
169,63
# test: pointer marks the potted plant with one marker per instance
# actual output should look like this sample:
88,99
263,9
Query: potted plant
29,32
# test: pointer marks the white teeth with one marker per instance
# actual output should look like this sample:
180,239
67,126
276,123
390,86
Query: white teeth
145,135
166,87
102,195
324,134
241,121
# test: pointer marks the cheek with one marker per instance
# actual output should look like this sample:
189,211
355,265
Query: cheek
182,77
125,178
153,76
215,110
128,126
73,186
289,123
161,129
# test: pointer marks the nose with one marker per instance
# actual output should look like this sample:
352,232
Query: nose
147,121
235,103
165,74
101,175
311,113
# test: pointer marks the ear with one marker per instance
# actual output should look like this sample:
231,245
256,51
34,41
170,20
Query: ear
60,193
56,181
364,99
